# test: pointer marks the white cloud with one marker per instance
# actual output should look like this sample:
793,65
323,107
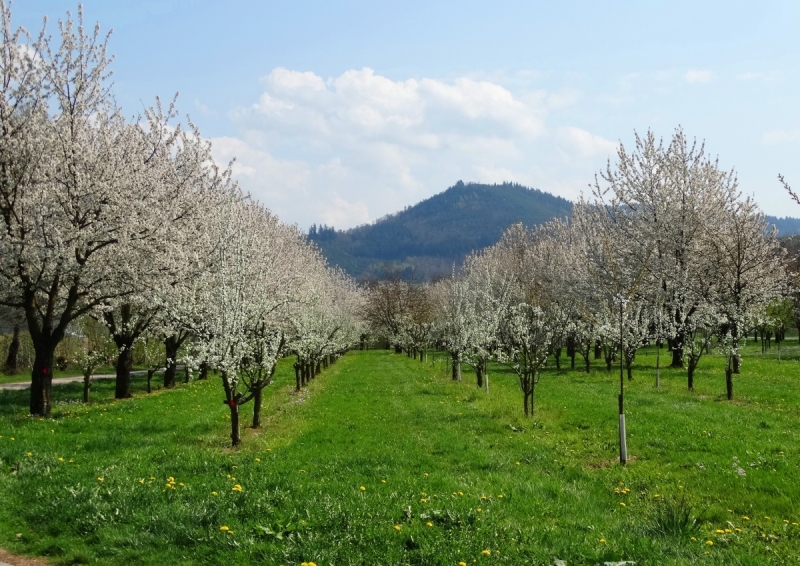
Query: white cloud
585,144
383,143
695,76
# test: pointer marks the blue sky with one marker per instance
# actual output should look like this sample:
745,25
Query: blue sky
342,112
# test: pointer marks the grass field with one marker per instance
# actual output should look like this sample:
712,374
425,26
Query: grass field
384,460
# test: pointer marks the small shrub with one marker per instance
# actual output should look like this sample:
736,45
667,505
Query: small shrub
673,518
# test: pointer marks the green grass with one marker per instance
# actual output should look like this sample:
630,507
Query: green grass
426,450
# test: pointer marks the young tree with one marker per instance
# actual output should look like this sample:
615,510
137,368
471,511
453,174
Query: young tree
751,274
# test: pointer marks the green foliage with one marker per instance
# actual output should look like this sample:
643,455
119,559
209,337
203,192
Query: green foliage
426,450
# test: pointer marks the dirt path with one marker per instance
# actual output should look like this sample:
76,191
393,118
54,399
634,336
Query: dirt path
8,559
19,385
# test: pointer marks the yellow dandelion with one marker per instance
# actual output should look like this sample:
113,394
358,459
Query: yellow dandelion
462,563
767,518
517,463
151,477
720,532
745,518
141,482
237,487
258,459
181,484
461,493
486,552
99,479
362,488
500,496
170,479
622,504
738,530
30,453
224,528
478,509
429,524
694,538
727,530
602,541
214,493
425,474
383,481
710,542
61,459
656,496
397,527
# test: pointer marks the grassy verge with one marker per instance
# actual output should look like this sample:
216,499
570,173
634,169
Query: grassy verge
385,460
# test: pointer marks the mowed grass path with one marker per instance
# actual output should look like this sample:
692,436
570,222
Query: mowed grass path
384,460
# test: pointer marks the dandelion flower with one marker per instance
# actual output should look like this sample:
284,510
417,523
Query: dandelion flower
622,504
738,530
486,552
237,487
362,488
258,459
61,459
478,509
720,532
694,538
99,479
397,527
429,524
224,528
745,518
710,542
602,541
500,496
141,482
462,563
383,481
214,493
30,453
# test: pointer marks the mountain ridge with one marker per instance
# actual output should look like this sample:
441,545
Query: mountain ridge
432,237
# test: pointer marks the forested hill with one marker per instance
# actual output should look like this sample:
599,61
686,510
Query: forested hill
429,237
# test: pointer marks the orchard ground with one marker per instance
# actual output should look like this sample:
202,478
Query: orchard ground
385,460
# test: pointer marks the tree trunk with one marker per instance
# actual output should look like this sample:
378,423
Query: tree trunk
13,352
171,346
297,376
150,373
557,356
533,394
203,374
677,352
398,349
479,374
122,389
729,382
42,378
87,385
456,367
236,440
588,364
598,350
691,368
257,408
736,364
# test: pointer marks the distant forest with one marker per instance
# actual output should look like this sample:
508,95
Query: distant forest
430,238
